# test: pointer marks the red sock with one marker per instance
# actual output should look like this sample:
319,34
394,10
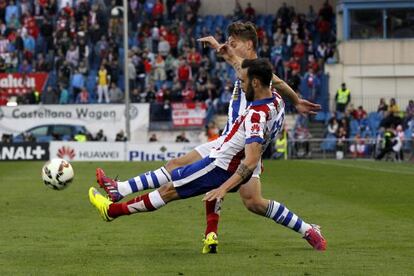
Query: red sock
212,216
118,209
121,209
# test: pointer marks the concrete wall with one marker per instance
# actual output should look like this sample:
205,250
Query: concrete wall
226,7
374,69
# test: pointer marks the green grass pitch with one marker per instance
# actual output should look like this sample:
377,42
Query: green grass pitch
366,210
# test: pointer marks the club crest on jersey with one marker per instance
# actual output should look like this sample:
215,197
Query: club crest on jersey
255,129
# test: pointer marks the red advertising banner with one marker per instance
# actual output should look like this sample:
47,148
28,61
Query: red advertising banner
188,114
16,83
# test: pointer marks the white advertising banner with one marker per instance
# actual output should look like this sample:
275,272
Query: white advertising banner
157,151
108,117
88,151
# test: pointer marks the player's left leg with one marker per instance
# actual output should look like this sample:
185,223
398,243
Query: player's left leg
252,198
144,203
189,181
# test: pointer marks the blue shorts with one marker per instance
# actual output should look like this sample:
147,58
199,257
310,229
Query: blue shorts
198,178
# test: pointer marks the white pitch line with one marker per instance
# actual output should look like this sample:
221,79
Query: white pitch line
358,167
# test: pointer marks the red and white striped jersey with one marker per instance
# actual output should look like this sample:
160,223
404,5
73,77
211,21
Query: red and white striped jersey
260,123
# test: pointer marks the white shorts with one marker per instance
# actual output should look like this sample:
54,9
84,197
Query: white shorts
205,149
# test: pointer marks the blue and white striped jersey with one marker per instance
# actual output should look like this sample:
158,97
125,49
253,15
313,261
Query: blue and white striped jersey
237,106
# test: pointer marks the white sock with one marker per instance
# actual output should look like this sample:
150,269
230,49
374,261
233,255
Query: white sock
148,180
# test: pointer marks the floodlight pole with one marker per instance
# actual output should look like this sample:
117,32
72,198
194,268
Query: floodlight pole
126,71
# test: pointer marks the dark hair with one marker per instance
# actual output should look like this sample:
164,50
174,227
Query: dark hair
260,69
243,31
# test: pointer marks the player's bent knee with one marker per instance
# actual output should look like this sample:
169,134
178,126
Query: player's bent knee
184,160
171,165
168,192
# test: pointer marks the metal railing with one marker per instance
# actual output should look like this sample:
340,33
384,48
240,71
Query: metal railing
335,148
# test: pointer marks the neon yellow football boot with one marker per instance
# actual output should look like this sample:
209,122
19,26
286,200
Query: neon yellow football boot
210,243
100,202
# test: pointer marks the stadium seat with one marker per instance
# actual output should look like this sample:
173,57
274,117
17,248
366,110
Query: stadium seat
329,143
354,128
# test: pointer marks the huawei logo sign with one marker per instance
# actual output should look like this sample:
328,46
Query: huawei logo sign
255,128
66,153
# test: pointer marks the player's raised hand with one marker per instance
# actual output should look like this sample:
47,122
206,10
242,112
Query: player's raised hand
218,194
210,41
226,52
306,107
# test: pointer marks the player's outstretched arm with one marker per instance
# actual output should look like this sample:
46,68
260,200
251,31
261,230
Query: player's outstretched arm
302,106
245,170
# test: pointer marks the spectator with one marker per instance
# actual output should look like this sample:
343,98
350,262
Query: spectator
212,132
80,137
333,127
83,97
299,50
341,143
50,96
31,97
100,136
115,94
342,98
72,55
25,67
398,147
78,82
188,94
163,47
153,138
326,12
393,108
103,81
280,146
184,73
158,11
409,113
194,60
181,138
42,65
313,83
159,71
6,138
11,10
120,137
382,106
133,73
64,97
249,12
359,113
388,143
358,147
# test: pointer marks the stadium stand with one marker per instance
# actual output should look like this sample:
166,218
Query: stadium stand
71,40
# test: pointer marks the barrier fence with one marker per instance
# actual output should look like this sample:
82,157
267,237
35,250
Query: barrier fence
128,151
336,148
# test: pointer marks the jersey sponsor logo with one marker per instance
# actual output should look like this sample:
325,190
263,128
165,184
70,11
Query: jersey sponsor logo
255,129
